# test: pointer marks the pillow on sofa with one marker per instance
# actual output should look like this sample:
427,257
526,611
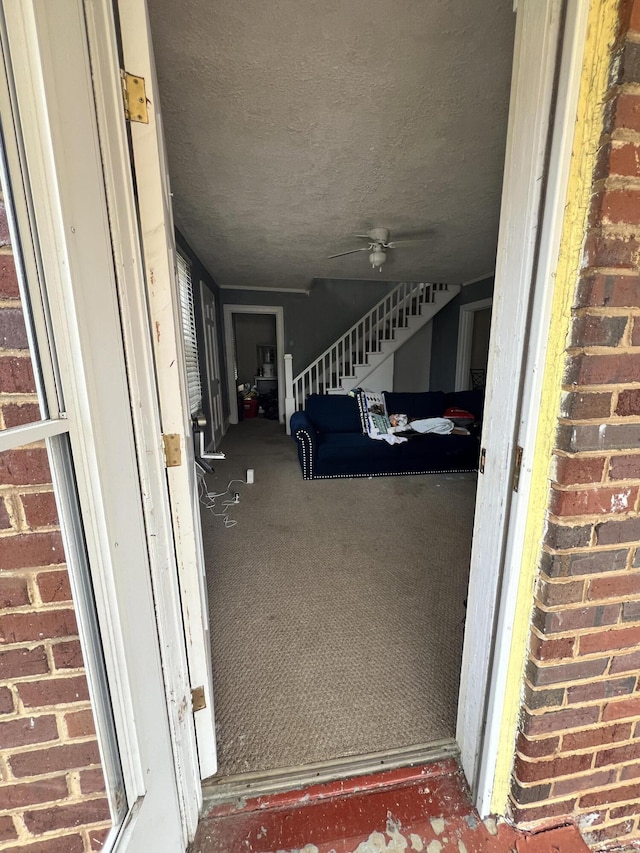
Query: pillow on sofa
333,413
472,401
423,404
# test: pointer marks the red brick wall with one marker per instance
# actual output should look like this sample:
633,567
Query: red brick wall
51,784
578,749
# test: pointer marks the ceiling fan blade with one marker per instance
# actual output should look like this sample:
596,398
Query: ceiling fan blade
364,236
350,252
394,243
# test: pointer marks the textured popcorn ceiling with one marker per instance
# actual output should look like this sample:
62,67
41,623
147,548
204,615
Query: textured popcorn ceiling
293,124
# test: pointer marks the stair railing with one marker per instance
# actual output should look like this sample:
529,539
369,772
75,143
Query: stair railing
354,347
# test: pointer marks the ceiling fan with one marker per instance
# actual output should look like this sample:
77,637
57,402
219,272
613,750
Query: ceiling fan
378,246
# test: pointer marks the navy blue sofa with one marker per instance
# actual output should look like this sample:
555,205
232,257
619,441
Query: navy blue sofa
331,443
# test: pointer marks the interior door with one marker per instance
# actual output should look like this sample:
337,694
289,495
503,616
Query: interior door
55,166
212,365
149,178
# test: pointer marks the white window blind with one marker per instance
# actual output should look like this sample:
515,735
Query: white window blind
189,334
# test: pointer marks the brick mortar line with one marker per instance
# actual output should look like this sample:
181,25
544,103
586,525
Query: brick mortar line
629,87
40,608
623,271
560,581
631,311
615,231
89,848
19,531
586,750
572,682
577,809
592,518
586,603
534,713
47,709
35,679
31,445
53,835
613,574
19,491
614,350
612,485
609,420
15,352
625,134
568,605
597,388
35,570
74,798
35,747
569,706
615,181
68,800
11,302
60,708
7,400
590,549
580,774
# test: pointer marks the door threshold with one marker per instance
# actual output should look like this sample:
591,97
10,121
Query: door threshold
240,786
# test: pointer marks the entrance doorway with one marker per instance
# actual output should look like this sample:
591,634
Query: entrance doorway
514,313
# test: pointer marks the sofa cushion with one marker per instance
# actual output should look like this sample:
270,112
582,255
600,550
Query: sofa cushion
424,404
333,413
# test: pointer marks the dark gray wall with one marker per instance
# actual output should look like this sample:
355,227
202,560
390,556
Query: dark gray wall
411,369
445,334
313,322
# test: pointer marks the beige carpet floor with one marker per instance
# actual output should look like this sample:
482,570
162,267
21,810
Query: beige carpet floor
337,607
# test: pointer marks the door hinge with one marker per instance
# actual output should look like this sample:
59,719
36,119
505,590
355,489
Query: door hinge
134,97
517,466
198,698
483,459
172,449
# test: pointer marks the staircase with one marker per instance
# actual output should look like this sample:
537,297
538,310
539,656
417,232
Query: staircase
367,344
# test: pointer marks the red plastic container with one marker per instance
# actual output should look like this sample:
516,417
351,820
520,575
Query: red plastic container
250,408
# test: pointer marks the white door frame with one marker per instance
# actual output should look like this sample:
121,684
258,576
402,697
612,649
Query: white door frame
229,343
527,255
465,339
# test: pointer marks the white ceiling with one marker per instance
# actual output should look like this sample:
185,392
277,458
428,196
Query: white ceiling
292,125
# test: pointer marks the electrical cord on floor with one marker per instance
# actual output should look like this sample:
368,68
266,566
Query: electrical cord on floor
208,500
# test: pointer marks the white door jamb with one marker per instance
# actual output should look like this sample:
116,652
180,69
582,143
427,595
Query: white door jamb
229,344
465,339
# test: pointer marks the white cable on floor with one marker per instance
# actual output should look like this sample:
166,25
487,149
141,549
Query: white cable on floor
208,500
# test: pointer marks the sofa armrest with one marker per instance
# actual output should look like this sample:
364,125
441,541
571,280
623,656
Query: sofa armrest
303,432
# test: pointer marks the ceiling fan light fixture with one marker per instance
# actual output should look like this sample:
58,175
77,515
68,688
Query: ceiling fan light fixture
377,258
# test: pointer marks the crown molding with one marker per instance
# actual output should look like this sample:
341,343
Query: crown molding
266,289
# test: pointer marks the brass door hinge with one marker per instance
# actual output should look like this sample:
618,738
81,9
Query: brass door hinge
517,466
483,459
134,97
172,450
198,699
